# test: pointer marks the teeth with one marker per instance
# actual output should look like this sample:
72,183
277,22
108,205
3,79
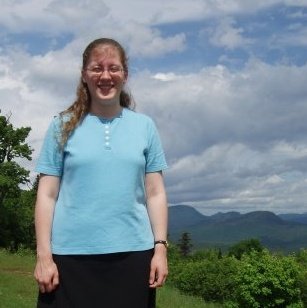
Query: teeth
105,85
101,86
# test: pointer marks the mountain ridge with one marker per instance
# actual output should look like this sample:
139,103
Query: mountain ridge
277,232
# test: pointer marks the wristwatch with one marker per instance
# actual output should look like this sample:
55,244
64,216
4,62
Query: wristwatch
165,243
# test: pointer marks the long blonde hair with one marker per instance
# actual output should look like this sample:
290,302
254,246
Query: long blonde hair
77,111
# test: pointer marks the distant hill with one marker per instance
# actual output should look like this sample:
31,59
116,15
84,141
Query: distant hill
182,216
225,229
301,218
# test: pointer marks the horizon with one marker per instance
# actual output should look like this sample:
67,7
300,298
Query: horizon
233,211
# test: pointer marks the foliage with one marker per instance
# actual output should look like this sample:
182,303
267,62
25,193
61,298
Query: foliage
17,225
211,278
266,280
245,247
12,141
209,254
184,244
257,279
11,176
16,205
301,257
302,280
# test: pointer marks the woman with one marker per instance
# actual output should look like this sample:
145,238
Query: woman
101,209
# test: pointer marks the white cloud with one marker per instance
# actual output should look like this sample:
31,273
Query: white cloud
233,176
77,16
148,42
233,139
297,36
159,11
227,35
167,76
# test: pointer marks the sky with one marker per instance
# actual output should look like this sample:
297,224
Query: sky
225,82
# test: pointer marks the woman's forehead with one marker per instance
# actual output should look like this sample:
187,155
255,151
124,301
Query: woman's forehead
104,51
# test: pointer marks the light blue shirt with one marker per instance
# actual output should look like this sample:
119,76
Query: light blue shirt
101,207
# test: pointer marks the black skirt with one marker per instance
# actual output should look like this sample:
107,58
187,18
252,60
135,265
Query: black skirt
117,280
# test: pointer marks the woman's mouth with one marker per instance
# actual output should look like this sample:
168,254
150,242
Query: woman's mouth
105,86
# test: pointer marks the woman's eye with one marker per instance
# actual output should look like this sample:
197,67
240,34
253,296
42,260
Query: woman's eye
96,69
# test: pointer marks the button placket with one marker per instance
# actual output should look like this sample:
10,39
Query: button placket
107,144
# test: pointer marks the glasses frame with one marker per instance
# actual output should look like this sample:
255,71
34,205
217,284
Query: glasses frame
98,70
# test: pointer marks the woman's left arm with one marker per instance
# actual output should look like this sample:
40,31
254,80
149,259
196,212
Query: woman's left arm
157,211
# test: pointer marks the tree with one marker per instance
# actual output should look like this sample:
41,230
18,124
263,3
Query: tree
12,175
245,246
12,141
12,146
184,244
266,280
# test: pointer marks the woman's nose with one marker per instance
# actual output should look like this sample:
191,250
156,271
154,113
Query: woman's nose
105,74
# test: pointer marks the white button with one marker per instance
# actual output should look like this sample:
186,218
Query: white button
107,137
107,126
107,132
107,143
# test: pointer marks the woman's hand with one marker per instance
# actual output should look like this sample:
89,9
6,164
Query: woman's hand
46,274
158,267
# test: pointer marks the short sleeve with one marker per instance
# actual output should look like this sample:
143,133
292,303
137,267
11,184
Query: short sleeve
50,160
155,158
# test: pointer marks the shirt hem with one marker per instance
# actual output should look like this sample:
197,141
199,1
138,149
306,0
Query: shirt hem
99,250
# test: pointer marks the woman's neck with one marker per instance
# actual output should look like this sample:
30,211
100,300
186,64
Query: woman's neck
106,111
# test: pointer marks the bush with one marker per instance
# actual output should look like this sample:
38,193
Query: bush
302,261
213,280
266,280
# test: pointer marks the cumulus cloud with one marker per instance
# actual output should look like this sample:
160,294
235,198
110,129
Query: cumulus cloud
235,176
234,139
227,35
148,42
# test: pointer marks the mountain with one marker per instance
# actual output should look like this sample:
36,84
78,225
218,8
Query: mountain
183,216
301,218
225,229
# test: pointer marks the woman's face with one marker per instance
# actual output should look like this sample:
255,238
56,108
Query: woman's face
104,75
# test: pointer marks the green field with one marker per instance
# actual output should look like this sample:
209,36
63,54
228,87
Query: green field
18,287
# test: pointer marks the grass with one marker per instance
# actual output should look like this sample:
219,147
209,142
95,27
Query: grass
17,285
19,289
168,297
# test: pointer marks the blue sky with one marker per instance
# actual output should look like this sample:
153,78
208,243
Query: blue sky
225,82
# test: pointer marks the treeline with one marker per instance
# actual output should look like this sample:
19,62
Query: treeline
247,275
16,204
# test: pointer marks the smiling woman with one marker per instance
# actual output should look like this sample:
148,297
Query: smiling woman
101,210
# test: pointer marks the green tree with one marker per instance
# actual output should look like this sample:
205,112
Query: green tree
212,279
301,258
184,244
12,141
266,280
245,246
12,146
12,176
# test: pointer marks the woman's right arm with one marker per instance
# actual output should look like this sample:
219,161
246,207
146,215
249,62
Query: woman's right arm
46,272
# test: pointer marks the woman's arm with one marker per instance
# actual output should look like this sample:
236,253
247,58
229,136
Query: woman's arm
46,272
157,211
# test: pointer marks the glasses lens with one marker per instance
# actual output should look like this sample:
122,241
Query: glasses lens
97,70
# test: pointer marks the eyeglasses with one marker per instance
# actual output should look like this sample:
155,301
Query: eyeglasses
98,70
